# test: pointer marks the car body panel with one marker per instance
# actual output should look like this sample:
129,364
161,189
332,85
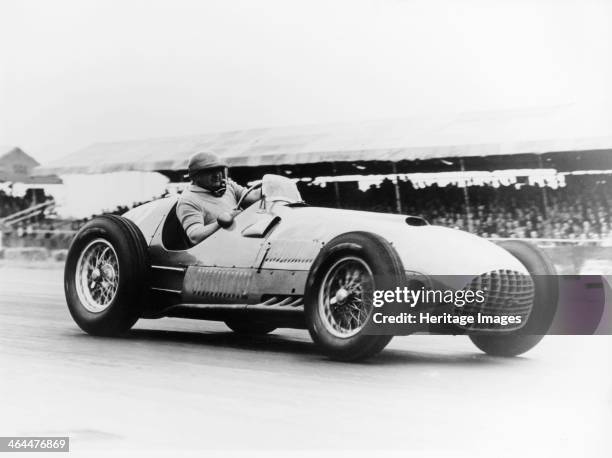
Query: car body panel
148,217
430,250
268,251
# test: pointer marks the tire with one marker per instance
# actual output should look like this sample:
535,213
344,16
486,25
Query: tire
109,300
360,250
255,328
546,296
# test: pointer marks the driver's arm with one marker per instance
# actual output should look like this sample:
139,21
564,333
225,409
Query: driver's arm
198,232
238,190
253,197
192,219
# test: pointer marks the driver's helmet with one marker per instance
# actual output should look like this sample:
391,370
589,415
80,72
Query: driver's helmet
200,162
207,162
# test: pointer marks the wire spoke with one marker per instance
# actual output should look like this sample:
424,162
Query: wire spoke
97,275
343,296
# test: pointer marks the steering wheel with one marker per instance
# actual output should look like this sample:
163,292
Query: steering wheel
247,192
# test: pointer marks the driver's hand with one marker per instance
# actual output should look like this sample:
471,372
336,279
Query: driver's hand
236,211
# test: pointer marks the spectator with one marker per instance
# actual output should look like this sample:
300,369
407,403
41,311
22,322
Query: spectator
582,209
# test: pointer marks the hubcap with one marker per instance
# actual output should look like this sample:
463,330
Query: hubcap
345,302
341,296
97,276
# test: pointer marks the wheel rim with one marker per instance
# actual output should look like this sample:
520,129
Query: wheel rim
345,297
97,276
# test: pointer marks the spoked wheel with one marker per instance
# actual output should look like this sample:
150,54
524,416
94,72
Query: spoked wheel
339,293
106,278
97,275
345,297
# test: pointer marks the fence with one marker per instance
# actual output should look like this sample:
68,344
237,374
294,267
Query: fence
40,238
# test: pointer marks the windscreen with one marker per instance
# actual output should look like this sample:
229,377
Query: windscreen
279,188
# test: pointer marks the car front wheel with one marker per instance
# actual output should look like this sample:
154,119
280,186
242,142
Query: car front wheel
546,295
339,291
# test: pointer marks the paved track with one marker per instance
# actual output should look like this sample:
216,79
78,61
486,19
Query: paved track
190,385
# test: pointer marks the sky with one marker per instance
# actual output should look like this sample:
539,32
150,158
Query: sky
77,72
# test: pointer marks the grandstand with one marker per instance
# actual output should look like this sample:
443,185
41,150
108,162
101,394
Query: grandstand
559,187
581,209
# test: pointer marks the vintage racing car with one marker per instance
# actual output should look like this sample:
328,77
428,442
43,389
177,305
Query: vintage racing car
282,263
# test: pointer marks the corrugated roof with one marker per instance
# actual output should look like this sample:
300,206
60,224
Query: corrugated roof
535,130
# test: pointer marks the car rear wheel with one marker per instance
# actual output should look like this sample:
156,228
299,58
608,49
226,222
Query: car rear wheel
106,276
546,295
339,290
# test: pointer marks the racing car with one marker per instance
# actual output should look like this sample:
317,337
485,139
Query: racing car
282,263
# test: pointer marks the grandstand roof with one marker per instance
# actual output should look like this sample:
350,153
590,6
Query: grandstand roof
499,133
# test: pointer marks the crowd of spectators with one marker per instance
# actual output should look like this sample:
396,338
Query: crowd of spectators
580,210
11,204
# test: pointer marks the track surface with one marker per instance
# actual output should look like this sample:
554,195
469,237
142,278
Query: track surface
194,385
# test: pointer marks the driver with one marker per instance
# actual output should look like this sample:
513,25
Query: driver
210,193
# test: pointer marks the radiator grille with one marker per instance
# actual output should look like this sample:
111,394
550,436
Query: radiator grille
506,292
